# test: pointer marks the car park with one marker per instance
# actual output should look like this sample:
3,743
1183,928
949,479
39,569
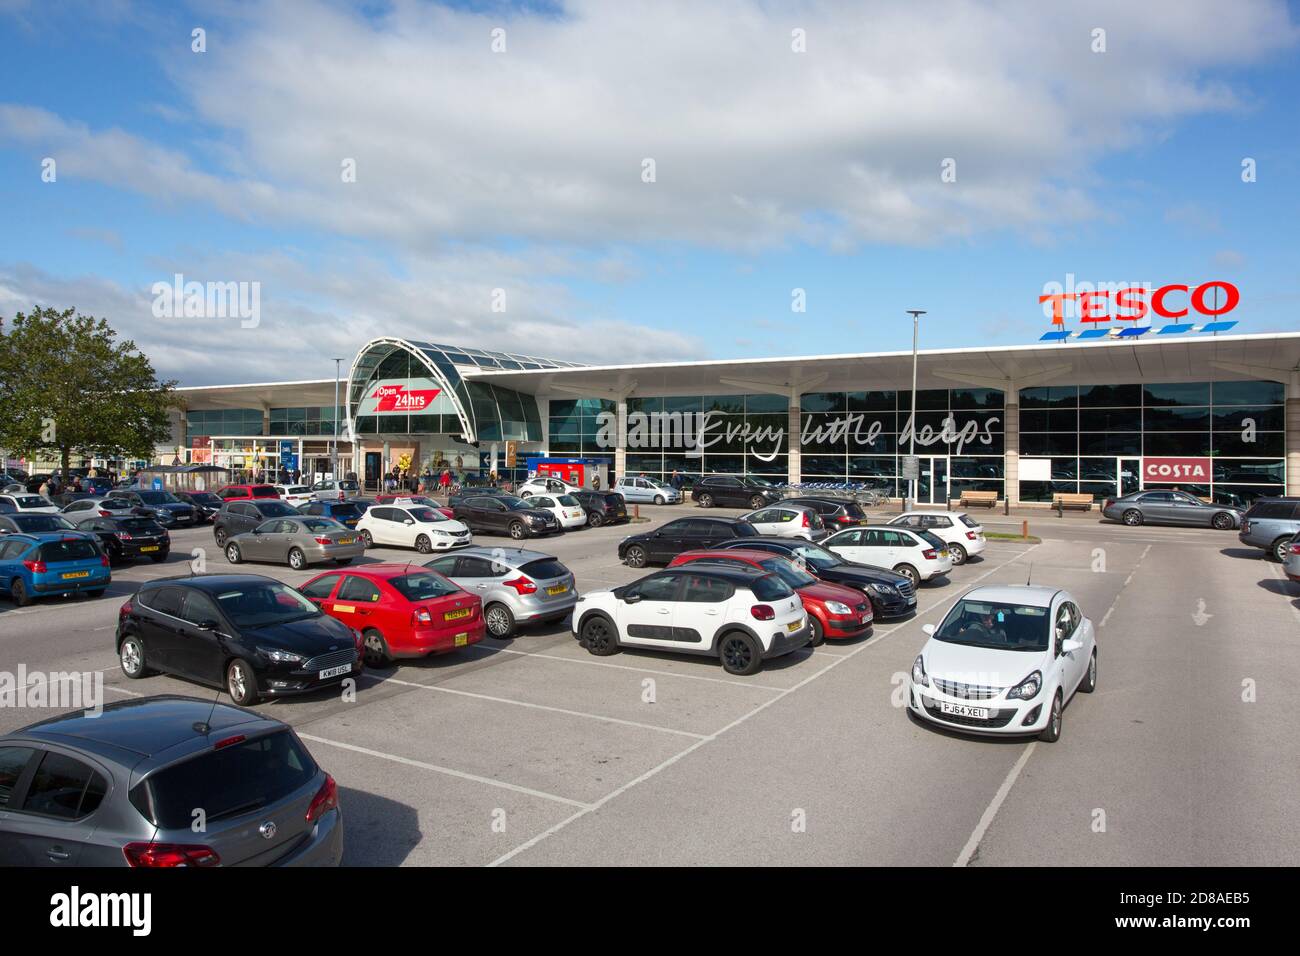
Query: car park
1005,660
1270,524
297,541
127,537
741,615
119,788
401,611
836,513
504,514
517,586
30,503
602,507
162,504
963,535
246,492
36,523
237,517
1174,507
834,611
414,526
51,564
915,554
252,636
660,545
205,504
546,485
346,512
733,491
643,490
566,509
788,521
295,494
332,489
891,594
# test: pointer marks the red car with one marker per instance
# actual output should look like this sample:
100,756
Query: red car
246,492
835,611
401,610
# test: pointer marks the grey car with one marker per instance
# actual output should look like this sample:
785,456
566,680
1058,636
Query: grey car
237,517
1291,560
1270,524
331,490
123,787
117,507
517,586
1158,506
296,542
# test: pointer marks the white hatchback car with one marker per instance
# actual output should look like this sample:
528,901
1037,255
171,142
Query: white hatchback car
963,535
918,555
567,509
545,485
295,494
30,504
1005,660
740,614
788,521
415,526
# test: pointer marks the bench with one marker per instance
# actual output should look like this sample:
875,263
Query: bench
987,498
1065,499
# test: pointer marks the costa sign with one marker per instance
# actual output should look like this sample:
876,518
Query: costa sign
1169,471
1134,302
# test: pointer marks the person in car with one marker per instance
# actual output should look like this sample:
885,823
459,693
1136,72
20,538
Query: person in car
985,628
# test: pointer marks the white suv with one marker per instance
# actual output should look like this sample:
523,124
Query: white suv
414,526
917,554
739,614
963,535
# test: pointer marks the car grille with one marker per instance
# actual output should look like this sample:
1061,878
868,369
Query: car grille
966,691
332,659
998,718
906,589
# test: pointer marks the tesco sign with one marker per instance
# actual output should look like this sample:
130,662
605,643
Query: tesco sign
1132,303
1174,470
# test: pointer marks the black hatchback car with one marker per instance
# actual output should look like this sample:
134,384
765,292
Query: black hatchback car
162,503
236,517
504,514
128,537
733,491
602,507
254,636
683,534
205,504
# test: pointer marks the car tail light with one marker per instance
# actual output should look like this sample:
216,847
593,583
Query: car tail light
1108,503
122,535
929,554
970,535
327,798
125,609
36,567
105,514
103,559
1295,549
806,522
844,519
422,616
321,539
170,854
523,585
762,612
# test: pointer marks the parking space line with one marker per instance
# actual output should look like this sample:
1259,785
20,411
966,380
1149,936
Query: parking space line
991,811
555,710
624,667
448,771
1113,604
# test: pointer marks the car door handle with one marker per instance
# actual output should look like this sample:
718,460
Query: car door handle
58,853
710,611
663,610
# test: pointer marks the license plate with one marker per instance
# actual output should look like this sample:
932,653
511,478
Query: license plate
557,589
622,514
335,671
794,626
456,615
462,639
964,710
150,547
75,574
346,541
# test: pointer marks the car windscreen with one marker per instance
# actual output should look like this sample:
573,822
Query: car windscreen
422,586
139,525
568,501
933,540
205,498
819,558
743,529
69,549
259,605
350,485
426,514
544,568
264,491
769,587
516,504
791,575
237,779
157,497
993,625
42,522
116,504
275,509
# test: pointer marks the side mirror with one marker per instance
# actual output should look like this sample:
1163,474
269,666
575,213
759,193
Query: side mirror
929,628
631,598
206,625
1069,647
409,521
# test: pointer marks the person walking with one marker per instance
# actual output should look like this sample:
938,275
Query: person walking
676,480
444,481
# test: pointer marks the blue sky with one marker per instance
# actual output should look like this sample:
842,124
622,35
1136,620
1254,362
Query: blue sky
520,170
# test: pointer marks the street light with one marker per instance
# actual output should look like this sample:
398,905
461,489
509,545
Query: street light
911,443
334,446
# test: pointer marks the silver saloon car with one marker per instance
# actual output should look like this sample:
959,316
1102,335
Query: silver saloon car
1156,506
296,542
517,586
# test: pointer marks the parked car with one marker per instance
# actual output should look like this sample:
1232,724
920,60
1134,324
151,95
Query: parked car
602,507
7,509
236,517
297,542
37,523
246,492
834,610
119,788
415,526
788,521
682,534
963,535
918,555
1170,507
648,490
45,565
1291,562
295,494
741,615
205,504
501,514
891,594
30,504
103,507
1005,660
346,512
546,485
401,611
253,636
1270,524
128,537
517,586
836,513
162,504
733,491
332,489
566,509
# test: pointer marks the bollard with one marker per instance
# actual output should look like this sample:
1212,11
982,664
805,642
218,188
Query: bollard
636,511
1024,530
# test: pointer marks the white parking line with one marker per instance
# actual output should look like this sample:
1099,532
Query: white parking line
624,667
1113,604
991,810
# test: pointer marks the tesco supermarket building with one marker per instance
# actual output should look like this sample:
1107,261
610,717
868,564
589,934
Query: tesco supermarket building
1218,415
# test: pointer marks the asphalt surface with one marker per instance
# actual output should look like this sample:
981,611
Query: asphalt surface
531,751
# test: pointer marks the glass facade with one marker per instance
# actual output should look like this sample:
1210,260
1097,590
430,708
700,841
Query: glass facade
708,434
304,421
223,421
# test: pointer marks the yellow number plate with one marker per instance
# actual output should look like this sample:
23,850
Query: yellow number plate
346,541
462,639
456,615
794,625
557,589
76,574
150,547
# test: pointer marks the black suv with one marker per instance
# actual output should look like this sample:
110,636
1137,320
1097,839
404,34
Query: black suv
602,507
160,502
733,491
836,514
682,534
236,517
503,514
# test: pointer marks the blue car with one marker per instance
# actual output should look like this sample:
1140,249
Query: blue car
39,565
346,512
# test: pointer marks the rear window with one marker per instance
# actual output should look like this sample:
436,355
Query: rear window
230,782
139,525
264,491
933,540
854,510
74,549
46,522
1272,509
968,521
275,509
30,501
321,524
770,588
743,529
544,568
345,511
422,586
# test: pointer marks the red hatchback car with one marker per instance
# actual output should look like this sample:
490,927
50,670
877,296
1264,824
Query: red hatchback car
401,610
834,611
246,492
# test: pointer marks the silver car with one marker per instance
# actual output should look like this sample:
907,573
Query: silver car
331,490
788,521
297,542
104,507
517,586
1291,560
648,490
1170,506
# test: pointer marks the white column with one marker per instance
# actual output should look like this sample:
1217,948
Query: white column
1293,434
794,454
620,440
1011,457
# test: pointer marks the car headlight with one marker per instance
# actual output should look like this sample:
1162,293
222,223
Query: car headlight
443,534
1028,688
835,607
281,656
918,672
884,590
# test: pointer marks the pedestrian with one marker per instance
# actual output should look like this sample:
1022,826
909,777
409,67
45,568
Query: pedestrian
595,482
676,480
44,489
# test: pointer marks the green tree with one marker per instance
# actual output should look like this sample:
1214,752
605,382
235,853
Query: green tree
67,384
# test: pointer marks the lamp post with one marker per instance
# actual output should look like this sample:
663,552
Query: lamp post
911,443
334,445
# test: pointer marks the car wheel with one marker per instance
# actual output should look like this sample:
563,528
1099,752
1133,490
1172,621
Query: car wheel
241,685
374,649
131,656
659,500
910,573
1132,517
423,544
499,620
594,520
220,535
739,654
1089,682
1280,548
1052,732
635,557
957,553
366,540
706,500
297,560
18,591
1222,521
517,530
756,502
598,636
232,553
818,634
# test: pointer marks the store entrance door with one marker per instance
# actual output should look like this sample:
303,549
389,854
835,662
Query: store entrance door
932,485
1129,475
